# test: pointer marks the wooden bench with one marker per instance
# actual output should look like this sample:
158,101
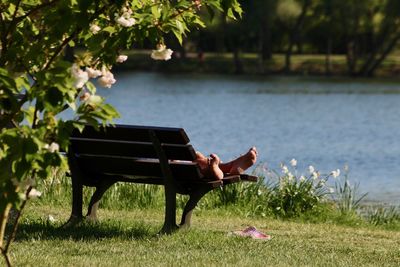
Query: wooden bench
139,154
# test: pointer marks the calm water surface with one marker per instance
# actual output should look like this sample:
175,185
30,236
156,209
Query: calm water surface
228,115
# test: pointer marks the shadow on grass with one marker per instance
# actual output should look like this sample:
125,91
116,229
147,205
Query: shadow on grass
41,230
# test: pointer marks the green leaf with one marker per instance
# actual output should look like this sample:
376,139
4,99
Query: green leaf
110,29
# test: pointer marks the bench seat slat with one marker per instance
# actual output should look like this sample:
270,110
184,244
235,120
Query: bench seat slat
137,167
135,133
130,149
160,181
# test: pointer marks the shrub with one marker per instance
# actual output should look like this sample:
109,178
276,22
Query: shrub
292,194
382,215
346,195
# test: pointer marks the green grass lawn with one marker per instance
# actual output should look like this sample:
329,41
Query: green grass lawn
129,238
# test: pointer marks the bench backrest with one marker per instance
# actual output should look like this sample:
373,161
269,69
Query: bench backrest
128,150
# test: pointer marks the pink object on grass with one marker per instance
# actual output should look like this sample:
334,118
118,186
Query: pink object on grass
252,232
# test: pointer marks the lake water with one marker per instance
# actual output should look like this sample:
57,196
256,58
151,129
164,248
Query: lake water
322,123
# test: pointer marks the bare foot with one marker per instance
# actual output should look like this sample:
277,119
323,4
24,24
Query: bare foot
215,171
209,166
242,163
202,161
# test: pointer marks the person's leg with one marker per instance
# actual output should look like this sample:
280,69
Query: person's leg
236,166
240,164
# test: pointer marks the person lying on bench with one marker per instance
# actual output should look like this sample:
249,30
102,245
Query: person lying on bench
213,167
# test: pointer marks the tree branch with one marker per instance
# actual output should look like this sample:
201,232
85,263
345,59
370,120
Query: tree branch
34,10
16,221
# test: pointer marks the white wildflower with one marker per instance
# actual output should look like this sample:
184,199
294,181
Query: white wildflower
302,178
51,219
285,169
346,168
93,73
336,173
259,192
94,28
293,162
34,193
107,79
315,175
290,176
80,76
311,169
121,58
161,53
331,190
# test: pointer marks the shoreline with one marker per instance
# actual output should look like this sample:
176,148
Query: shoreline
223,64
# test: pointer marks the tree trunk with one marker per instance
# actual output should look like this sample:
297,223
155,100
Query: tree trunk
294,34
237,61
220,44
351,57
288,55
3,223
265,45
328,63
370,71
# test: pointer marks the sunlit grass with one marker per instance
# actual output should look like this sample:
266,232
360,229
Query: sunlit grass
129,238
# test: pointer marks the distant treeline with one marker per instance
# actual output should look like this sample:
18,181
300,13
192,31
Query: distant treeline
365,31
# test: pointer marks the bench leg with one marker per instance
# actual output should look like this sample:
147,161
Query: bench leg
170,211
194,198
95,200
77,200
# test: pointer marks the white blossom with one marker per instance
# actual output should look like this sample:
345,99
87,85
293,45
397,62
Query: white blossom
93,73
121,58
85,96
80,76
290,176
127,11
336,173
311,169
302,178
34,193
53,147
107,79
161,53
126,20
94,100
293,162
315,175
94,28
331,190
